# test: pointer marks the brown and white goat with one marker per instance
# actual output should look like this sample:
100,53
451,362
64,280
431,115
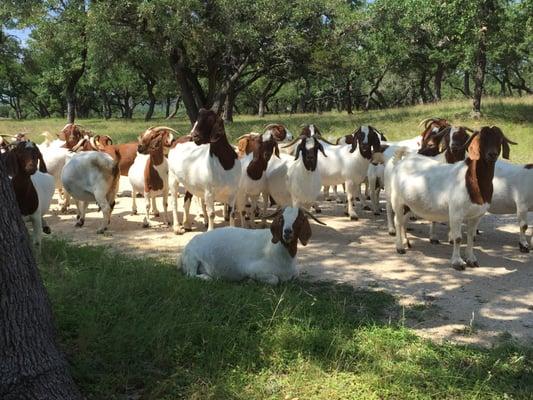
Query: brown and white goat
33,186
245,143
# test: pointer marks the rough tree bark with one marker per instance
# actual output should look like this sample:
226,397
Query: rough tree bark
31,364
466,84
480,68
437,83
150,83
176,62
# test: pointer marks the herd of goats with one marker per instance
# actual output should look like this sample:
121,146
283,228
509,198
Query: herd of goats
446,174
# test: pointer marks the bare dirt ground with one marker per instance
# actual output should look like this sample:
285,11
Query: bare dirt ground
477,306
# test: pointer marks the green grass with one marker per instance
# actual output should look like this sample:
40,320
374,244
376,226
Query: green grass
136,328
513,115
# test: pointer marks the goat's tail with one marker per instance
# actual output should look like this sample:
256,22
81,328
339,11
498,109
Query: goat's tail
400,153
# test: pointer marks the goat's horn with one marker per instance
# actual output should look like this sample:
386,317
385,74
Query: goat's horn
163,128
313,217
322,138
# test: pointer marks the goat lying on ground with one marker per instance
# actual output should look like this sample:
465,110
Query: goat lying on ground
33,188
265,255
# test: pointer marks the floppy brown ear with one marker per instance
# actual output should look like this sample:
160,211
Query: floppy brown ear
299,149
506,150
42,165
12,164
276,149
304,233
217,130
276,227
355,136
321,148
474,151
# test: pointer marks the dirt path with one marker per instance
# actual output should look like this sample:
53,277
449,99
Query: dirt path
475,306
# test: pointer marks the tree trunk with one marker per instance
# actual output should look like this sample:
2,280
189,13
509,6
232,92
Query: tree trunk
466,84
152,100
261,108
479,74
176,62
176,108
167,107
439,74
229,103
349,96
32,365
71,102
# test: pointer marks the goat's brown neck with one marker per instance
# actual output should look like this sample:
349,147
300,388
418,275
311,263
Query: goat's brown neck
479,176
224,152
257,166
25,193
292,247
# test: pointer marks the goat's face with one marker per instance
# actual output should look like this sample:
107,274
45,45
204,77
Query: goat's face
25,157
278,132
73,136
268,146
153,140
455,142
487,144
208,128
367,139
103,141
309,148
433,126
289,227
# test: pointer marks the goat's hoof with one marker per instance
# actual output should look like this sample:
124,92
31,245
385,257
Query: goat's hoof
187,229
400,251
409,244
146,225
459,266
318,210
47,230
377,213
156,214
179,230
368,197
523,249
226,219
133,212
340,201
354,218
100,231
357,199
392,233
472,264
434,241
80,223
413,218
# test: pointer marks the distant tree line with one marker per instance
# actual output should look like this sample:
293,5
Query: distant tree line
113,58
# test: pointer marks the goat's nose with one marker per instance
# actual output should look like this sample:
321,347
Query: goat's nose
493,155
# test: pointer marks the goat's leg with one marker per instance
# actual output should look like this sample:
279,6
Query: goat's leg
455,233
155,211
204,212
101,199
350,191
210,208
471,226
521,213
390,218
146,220
133,202
226,212
82,207
374,195
362,198
187,200
264,210
231,210
46,229
165,206
399,221
177,226
433,238
37,223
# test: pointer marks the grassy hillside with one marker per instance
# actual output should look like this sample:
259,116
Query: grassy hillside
513,115
138,329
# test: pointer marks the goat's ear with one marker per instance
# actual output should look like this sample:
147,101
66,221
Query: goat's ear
12,164
355,136
506,150
242,145
42,165
276,227
217,131
299,149
304,231
473,146
321,148
169,138
376,143
276,149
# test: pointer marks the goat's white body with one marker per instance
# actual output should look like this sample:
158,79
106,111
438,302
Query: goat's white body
513,193
202,175
55,156
341,166
44,185
304,185
277,183
251,189
92,176
235,254
137,180
436,192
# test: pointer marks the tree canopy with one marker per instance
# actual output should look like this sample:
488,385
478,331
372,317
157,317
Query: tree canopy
98,58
